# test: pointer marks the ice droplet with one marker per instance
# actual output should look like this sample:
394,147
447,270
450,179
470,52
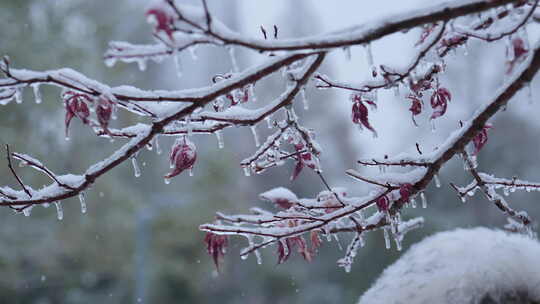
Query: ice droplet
136,169
505,191
18,96
247,170
304,98
463,199
219,137
437,180
386,238
110,61
423,198
255,135
191,171
59,211
141,63
37,93
167,181
82,199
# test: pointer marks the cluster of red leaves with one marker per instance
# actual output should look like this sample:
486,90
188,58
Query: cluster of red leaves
216,246
287,246
519,50
360,111
481,139
182,156
163,20
383,203
303,159
76,106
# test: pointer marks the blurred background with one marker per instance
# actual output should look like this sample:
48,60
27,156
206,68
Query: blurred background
139,241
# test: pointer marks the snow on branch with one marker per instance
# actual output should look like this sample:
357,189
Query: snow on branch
297,223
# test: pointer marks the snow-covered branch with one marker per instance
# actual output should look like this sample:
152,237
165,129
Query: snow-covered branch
223,103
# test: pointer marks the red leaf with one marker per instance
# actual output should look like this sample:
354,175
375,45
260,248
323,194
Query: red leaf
481,139
439,102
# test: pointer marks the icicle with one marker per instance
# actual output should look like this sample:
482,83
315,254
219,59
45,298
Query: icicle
437,180
268,120
59,211
177,65
114,112
83,202
529,93
396,90
251,90
234,64
219,137
247,170
189,126
369,55
258,256
255,135
432,122
413,202
193,52
397,240
167,181
37,93
141,63
156,143
386,238
18,96
347,51
191,171
304,98
110,62
136,169
463,199
505,191
423,198
27,210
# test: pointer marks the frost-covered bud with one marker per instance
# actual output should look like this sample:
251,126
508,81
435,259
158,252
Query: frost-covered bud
281,197
183,155
75,105
481,139
383,203
439,102
216,246
161,17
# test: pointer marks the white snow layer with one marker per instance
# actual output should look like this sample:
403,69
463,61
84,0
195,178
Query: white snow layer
462,266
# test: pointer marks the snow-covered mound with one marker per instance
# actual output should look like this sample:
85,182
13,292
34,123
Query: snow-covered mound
463,266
